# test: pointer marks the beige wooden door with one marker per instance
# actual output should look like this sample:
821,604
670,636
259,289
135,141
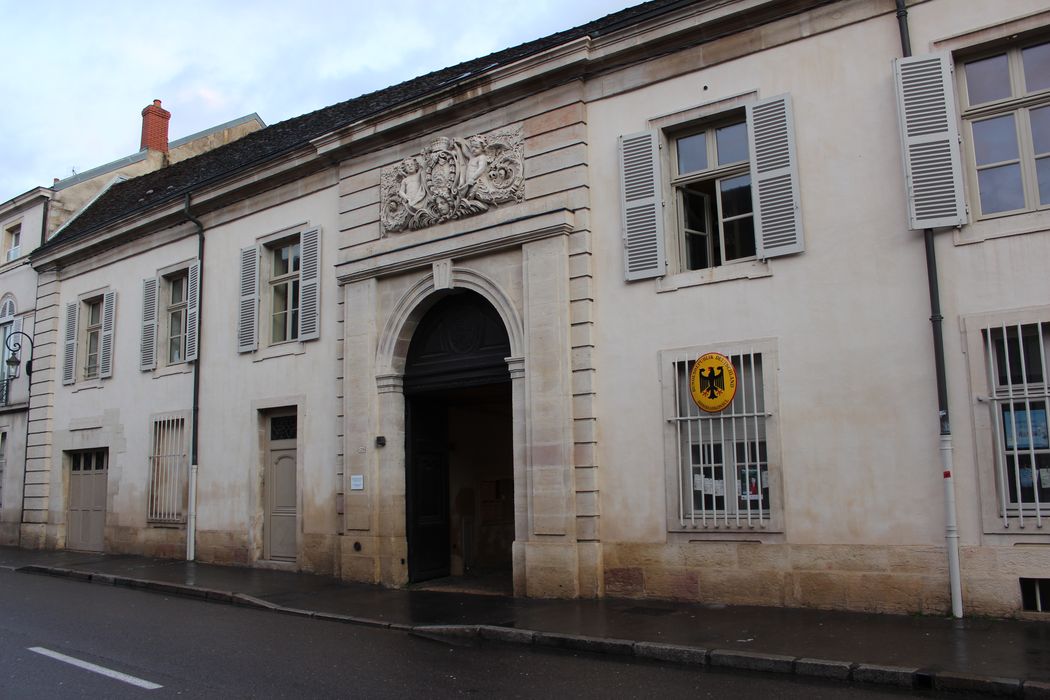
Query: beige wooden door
86,517
281,491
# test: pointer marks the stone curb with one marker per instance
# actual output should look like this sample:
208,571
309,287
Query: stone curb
729,659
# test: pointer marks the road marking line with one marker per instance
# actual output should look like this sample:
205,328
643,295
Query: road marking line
96,669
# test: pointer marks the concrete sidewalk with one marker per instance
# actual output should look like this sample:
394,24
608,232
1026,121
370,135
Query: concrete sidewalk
1004,657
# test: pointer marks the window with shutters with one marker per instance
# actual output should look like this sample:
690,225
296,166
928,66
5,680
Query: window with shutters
722,468
87,335
285,264
176,318
92,337
712,185
1005,99
720,189
170,317
280,291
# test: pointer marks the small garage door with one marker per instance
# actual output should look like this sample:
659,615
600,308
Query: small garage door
87,500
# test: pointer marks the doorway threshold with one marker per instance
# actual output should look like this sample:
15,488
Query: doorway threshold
496,583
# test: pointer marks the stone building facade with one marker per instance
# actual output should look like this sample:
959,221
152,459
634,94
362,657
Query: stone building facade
448,328
27,222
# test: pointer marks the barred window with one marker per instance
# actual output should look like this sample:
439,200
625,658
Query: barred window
722,460
167,470
1017,376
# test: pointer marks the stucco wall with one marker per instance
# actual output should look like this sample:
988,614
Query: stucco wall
116,412
856,417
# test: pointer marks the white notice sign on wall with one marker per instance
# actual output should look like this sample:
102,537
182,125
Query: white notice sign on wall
357,482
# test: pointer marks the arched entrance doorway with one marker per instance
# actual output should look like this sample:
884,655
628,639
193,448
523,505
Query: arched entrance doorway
459,444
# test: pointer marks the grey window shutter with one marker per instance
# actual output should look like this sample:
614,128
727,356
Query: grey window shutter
248,310
774,177
105,349
148,343
193,283
16,327
930,141
69,358
640,206
310,284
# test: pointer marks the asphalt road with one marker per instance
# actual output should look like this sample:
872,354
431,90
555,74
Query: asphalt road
197,649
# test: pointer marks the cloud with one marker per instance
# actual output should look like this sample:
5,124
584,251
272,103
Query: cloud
76,79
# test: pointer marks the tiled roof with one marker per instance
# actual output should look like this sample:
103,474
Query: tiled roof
174,181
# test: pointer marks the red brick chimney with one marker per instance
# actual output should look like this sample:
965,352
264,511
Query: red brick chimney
155,128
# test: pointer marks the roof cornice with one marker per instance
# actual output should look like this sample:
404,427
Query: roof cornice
668,28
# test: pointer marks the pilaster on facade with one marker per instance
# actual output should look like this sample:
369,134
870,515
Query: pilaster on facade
36,496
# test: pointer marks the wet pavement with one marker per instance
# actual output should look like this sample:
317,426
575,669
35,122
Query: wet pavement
923,646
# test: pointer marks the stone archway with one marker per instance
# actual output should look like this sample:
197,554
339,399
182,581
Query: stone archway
459,467
393,406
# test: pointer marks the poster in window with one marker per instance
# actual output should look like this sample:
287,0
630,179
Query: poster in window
711,487
749,487
1016,425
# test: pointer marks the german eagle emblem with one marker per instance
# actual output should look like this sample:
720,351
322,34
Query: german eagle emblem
712,383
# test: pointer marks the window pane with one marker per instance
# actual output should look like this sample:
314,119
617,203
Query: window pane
1027,478
692,153
293,331
176,335
293,253
731,143
1029,346
1042,169
1040,129
175,350
175,324
695,210
279,327
995,140
752,476
94,313
988,79
709,488
696,252
282,428
1024,428
735,196
739,235
1000,189
280,262
178,290
280,297
1036,61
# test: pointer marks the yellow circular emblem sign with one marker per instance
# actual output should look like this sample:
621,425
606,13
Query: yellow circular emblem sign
712,382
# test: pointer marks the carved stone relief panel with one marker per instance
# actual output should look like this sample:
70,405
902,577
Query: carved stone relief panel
453,178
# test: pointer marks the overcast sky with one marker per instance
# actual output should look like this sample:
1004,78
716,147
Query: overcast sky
75,75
